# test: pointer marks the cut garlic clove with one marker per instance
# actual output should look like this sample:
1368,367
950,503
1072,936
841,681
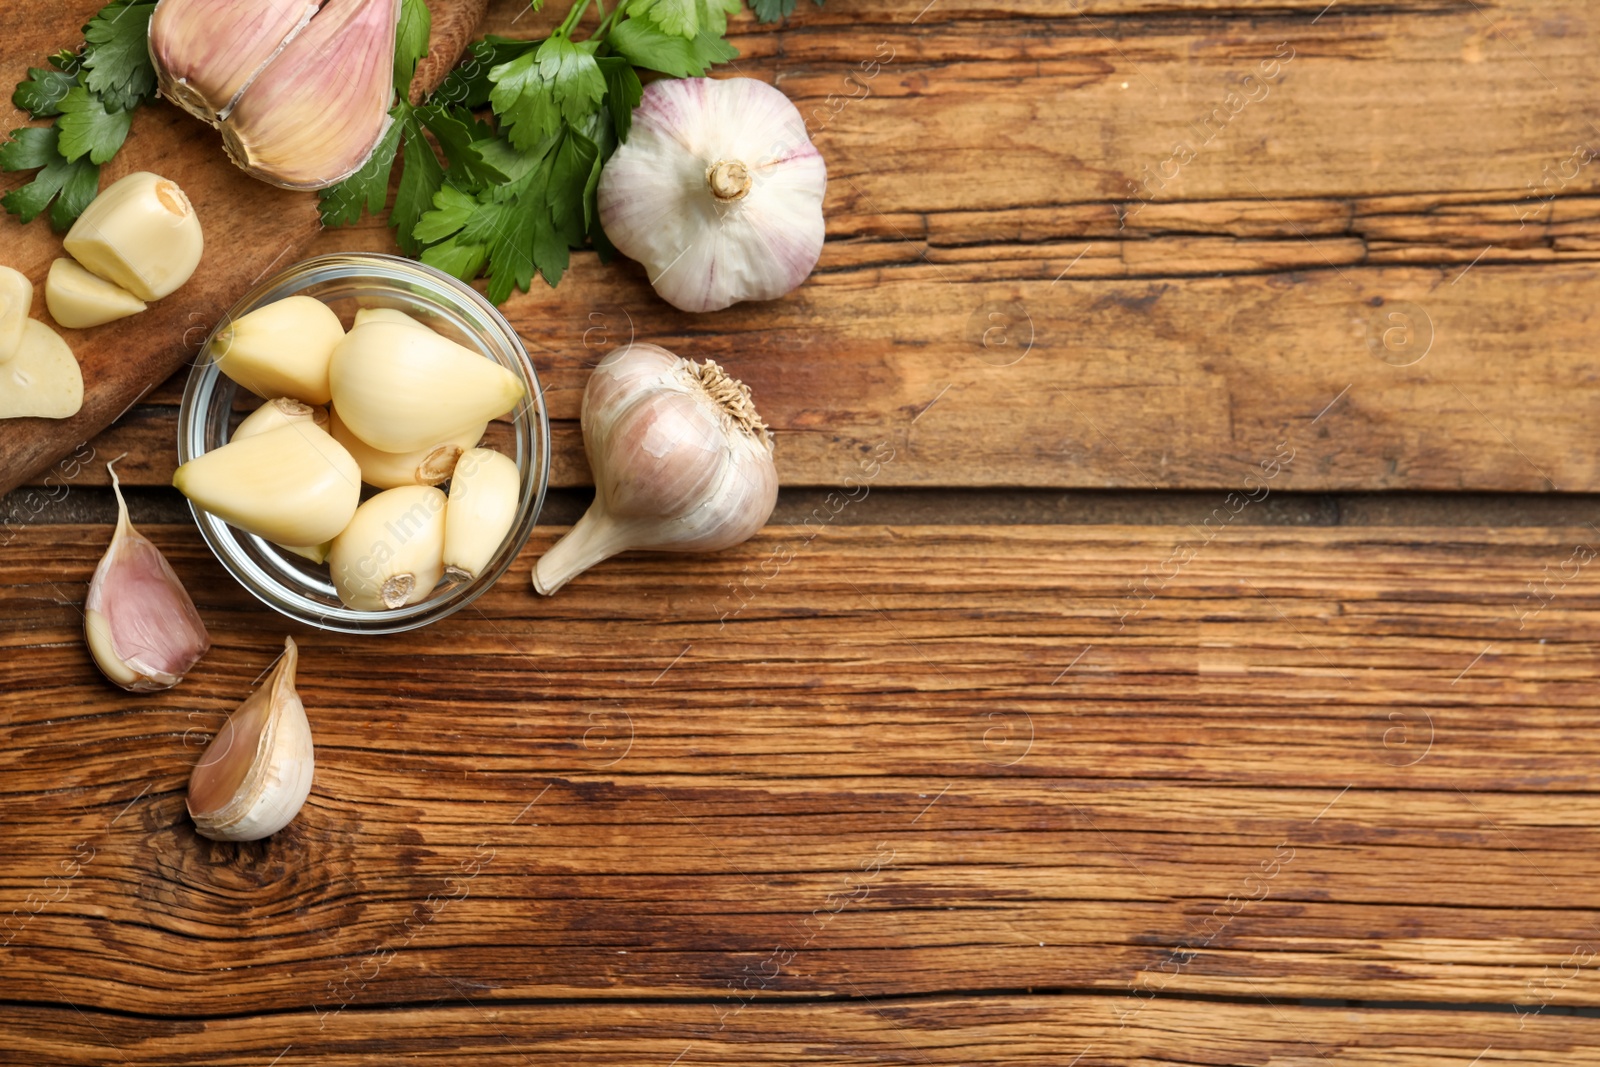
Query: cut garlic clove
281,349
390,470
78,299
292,486
140,624
318,110
256,773
485,494
276,414
43,379
315,553
141,233
400,389
392,553
206,51
366,315
16,300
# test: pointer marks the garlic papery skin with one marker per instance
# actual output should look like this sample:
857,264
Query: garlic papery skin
314,115
718,192
392,553
681,462
276,414
16,300
78,299
399,388
292,486
256,773
485,493
281,349
43,379
140,624
366,315
206,51
141,233
390,470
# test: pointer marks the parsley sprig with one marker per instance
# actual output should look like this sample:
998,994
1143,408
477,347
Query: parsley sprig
511,194
91,95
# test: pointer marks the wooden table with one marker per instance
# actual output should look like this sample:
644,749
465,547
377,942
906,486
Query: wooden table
1108,717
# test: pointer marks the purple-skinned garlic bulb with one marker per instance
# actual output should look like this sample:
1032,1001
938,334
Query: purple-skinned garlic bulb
718,192
142,629
681,462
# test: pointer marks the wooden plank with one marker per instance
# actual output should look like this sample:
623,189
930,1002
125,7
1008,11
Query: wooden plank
985,249
1009,1031
1314,762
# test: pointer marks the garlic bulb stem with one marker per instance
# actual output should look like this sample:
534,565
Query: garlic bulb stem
729,180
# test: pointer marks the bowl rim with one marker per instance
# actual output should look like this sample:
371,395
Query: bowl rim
530,419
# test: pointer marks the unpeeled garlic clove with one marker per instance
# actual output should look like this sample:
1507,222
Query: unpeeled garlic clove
43,379
366,315
281,349
292,486
141,233
16,300
141,626
206,51
315,114
276,414
485,493
390,470
400,389
392,553
79,300
256,773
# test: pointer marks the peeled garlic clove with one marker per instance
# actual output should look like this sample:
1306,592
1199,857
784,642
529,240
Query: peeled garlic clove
78,299
257,771
292,486
392,553
485,493
718,192
390,470
206,51
43,378
141,233
281,349
366,315
142,629
399,388
16,300
315,553
276,414
315,114
681,462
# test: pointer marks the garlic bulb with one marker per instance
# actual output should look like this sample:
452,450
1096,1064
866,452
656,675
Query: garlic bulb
485,493
424,466
276,414
718,192
399,388
43,378
16,299
300,89
78,299
142,629
257,771
392,553
681,462
293,486
141,234
281,349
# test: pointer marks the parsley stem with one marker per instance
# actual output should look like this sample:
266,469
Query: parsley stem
565,29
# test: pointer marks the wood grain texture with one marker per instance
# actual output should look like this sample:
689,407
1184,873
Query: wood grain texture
1316,763
250,228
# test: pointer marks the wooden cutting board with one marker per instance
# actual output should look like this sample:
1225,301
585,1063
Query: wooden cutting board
250,229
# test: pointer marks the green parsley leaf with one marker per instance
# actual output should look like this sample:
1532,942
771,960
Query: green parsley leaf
457,259
463,139
646,46
468,85
368,187
87,128
533,93
30,148
81,186
773,10
623,92
420,180
76,182
118,54
451,210
570,168
41,94
410,43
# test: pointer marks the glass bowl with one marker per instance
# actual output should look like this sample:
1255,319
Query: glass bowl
298,588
